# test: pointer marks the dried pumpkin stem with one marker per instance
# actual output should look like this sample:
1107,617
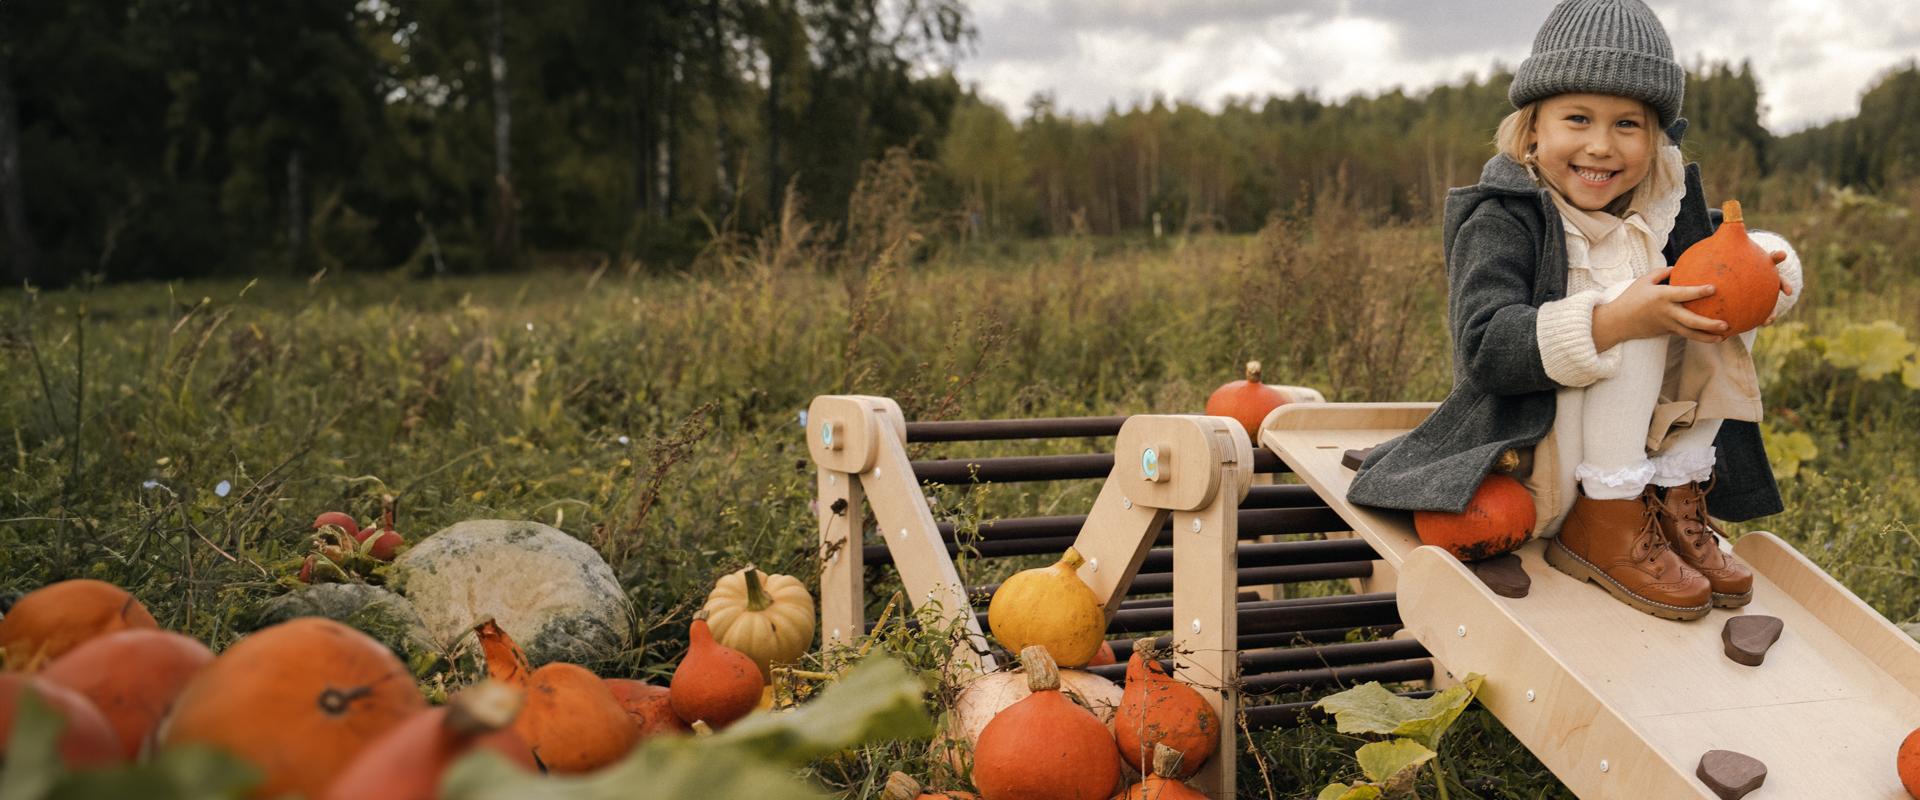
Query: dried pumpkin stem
757,599
1730,212
1147,647
1253,372
484,707
1072,559
900,786
1166,761
1042,674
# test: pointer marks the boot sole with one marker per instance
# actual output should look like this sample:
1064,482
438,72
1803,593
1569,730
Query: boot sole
1732,600
1566,561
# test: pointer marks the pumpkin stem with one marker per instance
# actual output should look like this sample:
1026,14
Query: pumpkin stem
1253,372
1072,559
900,786
1042,674
1146,647
1509,461
757,599
484,707
1166,761
1730,212
701,728
334,702
506,662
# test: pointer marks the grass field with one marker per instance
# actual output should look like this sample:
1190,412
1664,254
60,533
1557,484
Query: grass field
177,439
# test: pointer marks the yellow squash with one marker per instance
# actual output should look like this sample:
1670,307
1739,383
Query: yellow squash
1050,607
768,617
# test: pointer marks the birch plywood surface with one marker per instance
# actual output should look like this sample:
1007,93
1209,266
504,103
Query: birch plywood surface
1622,704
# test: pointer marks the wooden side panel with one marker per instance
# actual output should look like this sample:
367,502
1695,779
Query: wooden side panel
1206,626
842,569
1115,539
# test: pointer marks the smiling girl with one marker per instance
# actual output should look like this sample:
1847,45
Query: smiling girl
1567,340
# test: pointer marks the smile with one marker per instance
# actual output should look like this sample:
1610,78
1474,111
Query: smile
1594,176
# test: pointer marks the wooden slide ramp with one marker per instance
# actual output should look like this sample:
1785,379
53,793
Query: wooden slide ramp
1622,704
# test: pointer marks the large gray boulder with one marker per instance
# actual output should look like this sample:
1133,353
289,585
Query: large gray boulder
549,591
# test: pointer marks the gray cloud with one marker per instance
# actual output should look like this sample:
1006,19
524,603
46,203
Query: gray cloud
1812,59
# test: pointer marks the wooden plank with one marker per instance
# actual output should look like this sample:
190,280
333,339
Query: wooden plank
1311,437
1835,606
842,574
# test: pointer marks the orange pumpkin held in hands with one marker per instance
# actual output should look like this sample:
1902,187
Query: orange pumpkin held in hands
1045,746
1156,709
132,676
50,620
1248,401
648,706
1163,783
407,762
1746,284
571,720
86,741
1498,519
714,683
297,701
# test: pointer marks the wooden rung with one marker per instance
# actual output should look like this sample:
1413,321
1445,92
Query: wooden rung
1015,469
1279,616
1271,522
1265,576
1290,715
1417,669
1134,604
1292,659
981,430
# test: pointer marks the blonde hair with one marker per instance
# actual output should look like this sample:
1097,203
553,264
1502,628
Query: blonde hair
1515,140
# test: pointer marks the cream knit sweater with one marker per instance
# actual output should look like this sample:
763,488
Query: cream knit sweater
1601,254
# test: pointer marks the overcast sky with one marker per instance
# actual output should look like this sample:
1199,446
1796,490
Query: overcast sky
1813,58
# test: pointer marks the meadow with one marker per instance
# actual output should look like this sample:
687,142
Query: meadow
177,439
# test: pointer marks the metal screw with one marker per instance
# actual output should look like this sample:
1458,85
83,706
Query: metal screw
1603,765
903,533
833,480
1460,631
1126,503
1529,695
876,472
836,633
1094,565
1196,624
1196,526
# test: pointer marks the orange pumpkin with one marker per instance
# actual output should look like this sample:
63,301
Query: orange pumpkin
132,676
1498,519
1907,763
55,618
714,683
86,741
572,720
1248,401
901,786
1045,746
1156,709
1163,784
407,762
648,706
296,700
1104,655
1746,284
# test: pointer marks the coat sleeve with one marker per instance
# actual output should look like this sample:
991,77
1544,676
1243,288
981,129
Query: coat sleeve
1490,273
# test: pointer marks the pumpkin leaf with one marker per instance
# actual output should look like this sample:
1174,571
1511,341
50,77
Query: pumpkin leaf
875,701
1383,762
1342,791
32,765
1370,708
1873,350
878,700
1787,450
1910,374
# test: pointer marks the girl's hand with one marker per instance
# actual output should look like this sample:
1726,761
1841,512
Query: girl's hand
1785,288
1650,308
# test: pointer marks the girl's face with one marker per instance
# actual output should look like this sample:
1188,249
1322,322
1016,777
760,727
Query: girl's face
1593,147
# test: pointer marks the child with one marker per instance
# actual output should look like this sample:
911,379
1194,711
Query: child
1566,339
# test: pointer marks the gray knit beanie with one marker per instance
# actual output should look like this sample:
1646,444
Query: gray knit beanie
1605,47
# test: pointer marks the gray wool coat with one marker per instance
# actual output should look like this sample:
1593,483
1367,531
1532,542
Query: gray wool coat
1506,256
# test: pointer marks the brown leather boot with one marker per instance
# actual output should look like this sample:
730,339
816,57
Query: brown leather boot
1692,534
1618,544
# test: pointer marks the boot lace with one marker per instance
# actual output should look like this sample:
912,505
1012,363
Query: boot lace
1690,515
1649,545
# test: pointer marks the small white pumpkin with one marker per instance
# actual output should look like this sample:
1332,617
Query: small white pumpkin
985,696
768,617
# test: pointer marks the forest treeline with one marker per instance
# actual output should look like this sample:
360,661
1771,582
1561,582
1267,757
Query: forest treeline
165,138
